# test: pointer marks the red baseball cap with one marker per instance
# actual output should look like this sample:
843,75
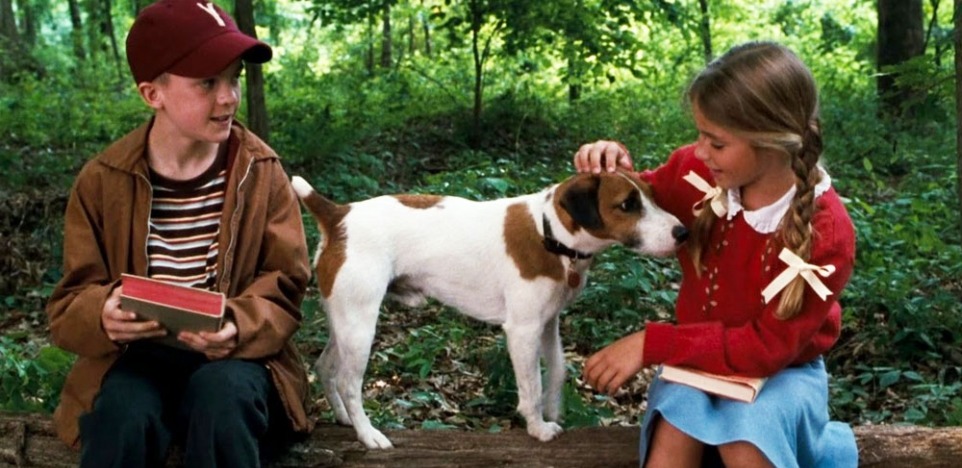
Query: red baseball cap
192,38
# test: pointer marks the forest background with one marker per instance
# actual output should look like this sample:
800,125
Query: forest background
491,98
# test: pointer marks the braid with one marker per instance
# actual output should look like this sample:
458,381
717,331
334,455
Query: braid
764,92
797,225
698,236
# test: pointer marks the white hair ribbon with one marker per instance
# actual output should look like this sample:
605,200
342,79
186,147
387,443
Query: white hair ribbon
797,266
714,195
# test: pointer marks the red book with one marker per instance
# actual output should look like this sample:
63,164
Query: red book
177,308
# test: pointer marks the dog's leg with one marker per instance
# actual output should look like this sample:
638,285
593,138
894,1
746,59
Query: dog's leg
352,313
326,369
523,346
555,376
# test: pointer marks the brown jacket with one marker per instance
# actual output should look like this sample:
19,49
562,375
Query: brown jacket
262,267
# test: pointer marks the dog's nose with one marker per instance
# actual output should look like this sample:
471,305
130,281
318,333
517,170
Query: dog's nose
680,233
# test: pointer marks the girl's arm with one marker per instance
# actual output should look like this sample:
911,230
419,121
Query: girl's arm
764,345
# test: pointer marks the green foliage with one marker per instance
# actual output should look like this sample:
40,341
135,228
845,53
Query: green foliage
357,131
31,375
624,291
582,412
912,398
52,125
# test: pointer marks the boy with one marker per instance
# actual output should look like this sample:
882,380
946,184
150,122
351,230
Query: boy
190,197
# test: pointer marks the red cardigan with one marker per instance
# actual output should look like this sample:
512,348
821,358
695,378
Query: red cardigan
724,325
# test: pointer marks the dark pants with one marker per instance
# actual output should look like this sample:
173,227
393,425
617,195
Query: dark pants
223,413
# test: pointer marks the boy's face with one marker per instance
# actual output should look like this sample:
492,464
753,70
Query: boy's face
202,109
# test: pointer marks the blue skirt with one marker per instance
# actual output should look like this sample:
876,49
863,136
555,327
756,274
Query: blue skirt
788,421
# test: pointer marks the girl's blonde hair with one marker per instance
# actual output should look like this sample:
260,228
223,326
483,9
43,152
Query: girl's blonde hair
763,91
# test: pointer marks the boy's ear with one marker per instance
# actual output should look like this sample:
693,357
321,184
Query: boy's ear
150,94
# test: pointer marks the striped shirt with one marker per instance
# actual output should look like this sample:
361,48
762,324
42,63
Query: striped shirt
185,217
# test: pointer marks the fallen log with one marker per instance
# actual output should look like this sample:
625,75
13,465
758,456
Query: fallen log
28,440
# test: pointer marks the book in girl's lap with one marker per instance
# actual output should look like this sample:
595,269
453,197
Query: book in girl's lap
771,249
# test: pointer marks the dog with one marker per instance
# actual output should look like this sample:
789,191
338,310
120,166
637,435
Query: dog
515,262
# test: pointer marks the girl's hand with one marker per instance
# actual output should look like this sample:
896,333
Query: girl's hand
216,345
607,370
123,327
602,154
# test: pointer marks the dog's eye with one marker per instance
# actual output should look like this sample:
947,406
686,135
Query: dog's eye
630,205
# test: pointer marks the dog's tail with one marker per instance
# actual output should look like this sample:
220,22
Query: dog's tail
327,213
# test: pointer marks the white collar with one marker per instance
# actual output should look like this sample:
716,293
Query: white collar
766,219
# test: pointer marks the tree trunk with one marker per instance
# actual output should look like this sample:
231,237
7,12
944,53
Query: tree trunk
575,74
100,33
108,29
28,22
77,31
9,39
704,30
8,23
369,57
412,36
900,38
958,104
140,5
474,137
427,33
29,440
95,43
387,58
257,119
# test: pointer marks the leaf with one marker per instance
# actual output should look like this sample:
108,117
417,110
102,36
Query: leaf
912,375
498,184
432,424
889,378
914,415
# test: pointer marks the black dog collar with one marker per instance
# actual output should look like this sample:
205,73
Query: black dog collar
554,246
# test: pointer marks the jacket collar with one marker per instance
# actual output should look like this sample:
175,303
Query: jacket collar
128,153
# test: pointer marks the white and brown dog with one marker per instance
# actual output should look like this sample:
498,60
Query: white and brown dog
515,262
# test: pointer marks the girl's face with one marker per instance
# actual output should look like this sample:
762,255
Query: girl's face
202,109
763,175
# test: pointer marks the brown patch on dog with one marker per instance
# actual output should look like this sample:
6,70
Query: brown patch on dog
419,201
329,216
524,245
612,191
645,187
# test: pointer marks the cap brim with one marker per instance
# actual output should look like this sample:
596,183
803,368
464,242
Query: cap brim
218,53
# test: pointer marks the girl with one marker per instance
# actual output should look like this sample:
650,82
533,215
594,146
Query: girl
771,248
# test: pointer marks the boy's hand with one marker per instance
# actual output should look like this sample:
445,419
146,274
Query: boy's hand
123,327
602,154
607,370
216,345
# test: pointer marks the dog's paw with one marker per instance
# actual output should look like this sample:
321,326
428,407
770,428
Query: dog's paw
374,439
544,431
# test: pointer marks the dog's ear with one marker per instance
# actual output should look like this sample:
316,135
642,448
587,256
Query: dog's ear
581,202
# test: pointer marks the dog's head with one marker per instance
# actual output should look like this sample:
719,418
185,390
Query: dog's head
603,209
